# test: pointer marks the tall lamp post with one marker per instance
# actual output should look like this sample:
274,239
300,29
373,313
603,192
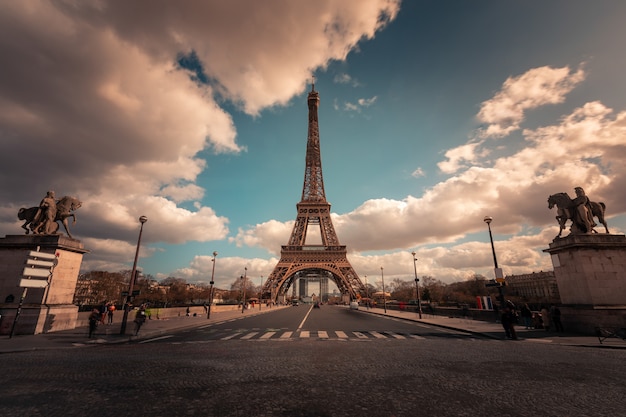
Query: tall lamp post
382,276
417,287
497,271
243,289
208,310
142,220
260,292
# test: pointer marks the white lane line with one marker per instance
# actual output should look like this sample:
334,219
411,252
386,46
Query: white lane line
341,334
156,338
286,335
305,334
414,336
359,335
395,335
267,335
230,337
250,335
322,334
378,335
305,317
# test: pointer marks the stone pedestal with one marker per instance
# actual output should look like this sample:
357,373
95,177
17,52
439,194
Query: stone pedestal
590,271
44,309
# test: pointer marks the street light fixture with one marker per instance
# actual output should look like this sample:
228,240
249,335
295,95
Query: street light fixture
417,287
497,271
260,292
243,289
133,274
208,311
382,276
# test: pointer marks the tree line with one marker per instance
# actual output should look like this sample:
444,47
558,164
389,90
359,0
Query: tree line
97,287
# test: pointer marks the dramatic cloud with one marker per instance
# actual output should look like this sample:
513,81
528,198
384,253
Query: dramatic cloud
537,87
93,102
507,188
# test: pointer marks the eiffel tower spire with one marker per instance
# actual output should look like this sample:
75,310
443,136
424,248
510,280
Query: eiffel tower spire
299,258
313,189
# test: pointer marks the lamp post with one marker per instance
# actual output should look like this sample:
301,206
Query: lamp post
260,292
142,220
243,289
382,276
367,295
497,271
417,287
208,311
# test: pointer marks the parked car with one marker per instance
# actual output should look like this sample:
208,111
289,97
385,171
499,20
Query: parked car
354,305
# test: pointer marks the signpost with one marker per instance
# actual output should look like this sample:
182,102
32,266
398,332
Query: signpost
39,265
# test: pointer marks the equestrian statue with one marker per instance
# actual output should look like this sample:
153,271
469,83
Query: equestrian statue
42,220
580,210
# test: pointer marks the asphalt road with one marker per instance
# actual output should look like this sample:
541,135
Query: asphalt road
206,372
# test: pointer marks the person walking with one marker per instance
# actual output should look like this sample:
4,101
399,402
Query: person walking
555,314
527,316
111,310
94,319
140,318
545,318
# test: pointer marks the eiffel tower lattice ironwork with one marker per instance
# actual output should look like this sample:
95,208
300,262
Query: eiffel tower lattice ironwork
297,258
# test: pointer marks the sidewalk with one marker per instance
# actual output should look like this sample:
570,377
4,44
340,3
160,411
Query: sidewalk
107,334
494,330
75,338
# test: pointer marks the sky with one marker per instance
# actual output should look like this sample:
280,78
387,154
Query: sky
433,115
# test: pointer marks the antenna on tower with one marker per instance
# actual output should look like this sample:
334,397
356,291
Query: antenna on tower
312,83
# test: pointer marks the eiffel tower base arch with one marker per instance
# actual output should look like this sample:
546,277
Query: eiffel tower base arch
311,259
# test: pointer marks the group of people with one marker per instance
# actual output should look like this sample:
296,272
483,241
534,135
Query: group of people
106,310
545,319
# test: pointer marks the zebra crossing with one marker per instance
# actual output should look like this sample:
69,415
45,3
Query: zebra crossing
280,334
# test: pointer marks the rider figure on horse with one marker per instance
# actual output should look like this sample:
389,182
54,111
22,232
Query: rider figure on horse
582,210
44,219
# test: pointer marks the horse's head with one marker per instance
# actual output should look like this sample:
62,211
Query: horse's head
76,204
551,202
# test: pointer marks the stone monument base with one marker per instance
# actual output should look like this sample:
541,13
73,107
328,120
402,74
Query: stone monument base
590,271
46,309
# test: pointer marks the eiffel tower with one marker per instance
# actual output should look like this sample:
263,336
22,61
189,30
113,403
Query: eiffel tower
297,258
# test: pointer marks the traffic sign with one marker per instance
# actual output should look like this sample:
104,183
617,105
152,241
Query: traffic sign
36,272
33,283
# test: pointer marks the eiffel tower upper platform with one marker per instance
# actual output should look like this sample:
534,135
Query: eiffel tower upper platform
327,258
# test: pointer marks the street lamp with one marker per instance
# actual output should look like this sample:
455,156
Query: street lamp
260,292
497,271
243,289
382,276
208,311
367,294
142,220
417,287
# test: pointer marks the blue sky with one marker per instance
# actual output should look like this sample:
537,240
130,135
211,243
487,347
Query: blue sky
433,115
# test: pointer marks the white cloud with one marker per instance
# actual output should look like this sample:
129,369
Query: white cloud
537,87
585,148
92,93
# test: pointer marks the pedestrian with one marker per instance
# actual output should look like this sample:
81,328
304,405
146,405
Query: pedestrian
94,319
508,320
140,318
545,318
527,316
111,310
187,312
555,314
103,312
148,312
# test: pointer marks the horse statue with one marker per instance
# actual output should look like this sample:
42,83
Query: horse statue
567,211
64,210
